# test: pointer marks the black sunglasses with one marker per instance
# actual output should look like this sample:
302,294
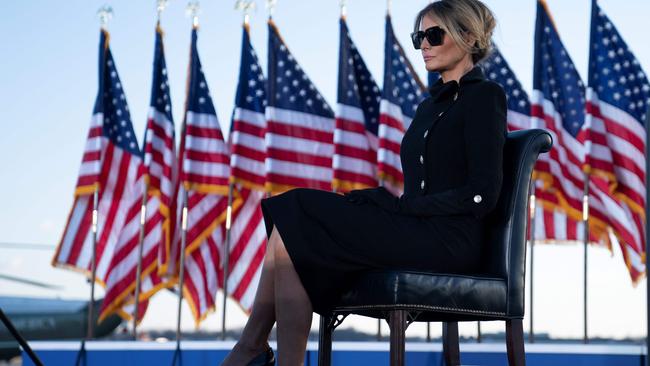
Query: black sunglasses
434,36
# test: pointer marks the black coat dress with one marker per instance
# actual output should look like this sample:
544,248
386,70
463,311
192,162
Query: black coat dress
451,155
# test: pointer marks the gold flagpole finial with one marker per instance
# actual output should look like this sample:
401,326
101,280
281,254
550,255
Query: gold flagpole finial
161,5
192,10
105,14
343,4
270,5
246,7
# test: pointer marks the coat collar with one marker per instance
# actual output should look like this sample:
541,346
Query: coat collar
440,91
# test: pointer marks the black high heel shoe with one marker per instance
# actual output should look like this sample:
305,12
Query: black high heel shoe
266,358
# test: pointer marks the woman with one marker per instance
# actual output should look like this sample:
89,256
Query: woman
452,162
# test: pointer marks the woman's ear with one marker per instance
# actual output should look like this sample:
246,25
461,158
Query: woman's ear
470,39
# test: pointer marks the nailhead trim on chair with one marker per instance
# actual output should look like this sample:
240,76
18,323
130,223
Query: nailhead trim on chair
428,307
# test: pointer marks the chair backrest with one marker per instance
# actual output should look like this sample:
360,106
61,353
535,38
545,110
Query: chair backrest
505,246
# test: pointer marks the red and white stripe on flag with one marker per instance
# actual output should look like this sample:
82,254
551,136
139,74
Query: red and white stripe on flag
121,276
205,174
205,159
119,174
392,124
561,168
355,151
90,168
618,96
160,165
248,148
552,224
205,266
615,159
299,150
200,287
247,248
118,222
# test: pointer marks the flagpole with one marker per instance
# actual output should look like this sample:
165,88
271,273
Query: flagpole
245,7
647,238
378,337
226,261
181,275
585,220
192,10
270,6
93,267
160,6
381,183
138,272
533,205
105,13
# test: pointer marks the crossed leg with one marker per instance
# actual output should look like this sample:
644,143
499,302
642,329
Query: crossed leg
280,297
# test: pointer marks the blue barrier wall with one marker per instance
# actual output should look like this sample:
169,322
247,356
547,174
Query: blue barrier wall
103,353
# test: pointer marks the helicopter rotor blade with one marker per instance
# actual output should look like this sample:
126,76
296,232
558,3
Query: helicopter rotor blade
29,282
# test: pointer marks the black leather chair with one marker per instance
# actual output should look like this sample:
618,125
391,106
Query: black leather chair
496,293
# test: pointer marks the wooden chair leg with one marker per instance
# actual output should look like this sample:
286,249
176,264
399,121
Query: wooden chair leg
397,324
450,347
325,341
515,342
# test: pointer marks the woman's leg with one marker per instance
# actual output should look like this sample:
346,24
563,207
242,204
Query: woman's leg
255,335
293,309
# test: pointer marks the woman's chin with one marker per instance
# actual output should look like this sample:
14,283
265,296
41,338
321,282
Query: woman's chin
431,66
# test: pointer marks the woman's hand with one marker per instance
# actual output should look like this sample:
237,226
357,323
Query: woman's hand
378,196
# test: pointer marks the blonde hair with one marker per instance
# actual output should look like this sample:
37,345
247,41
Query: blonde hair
460,18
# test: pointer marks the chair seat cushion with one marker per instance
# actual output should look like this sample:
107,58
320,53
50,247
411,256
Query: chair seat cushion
437,295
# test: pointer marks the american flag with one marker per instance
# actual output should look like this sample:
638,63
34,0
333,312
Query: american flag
247,248
618,96
159,169
551,222
247,231
248,149
558,106
160,147
497,69
300,124
120,180
357,120
121,275
402,93
205,170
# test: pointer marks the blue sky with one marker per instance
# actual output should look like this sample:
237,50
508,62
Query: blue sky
48,81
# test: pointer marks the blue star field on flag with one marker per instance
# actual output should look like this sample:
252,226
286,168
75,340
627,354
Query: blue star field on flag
251,90
111,101
556,76
357,88
497,69
401,86
614,72
289,86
